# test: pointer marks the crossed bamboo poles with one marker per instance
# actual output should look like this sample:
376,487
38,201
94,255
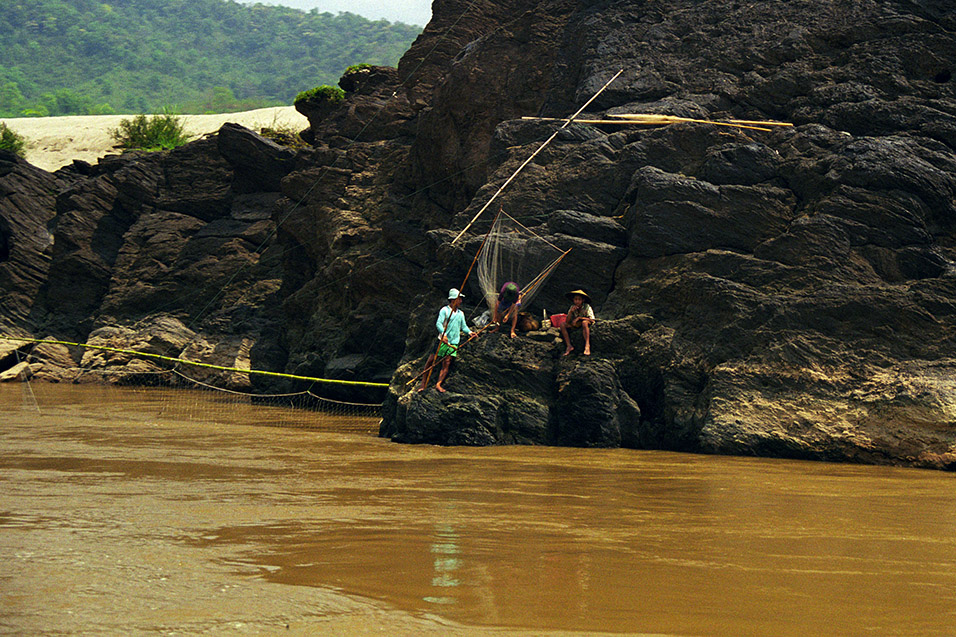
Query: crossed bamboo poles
526,290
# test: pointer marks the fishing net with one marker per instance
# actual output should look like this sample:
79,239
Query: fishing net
513,253
141,387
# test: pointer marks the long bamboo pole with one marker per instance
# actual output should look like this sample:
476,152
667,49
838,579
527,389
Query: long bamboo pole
528,160
656,118
635,122
652,118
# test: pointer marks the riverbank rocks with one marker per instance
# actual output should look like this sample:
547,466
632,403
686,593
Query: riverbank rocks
785,292
773,283
591,408
22,371
507,391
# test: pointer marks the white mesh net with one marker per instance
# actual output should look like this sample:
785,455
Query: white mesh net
513,253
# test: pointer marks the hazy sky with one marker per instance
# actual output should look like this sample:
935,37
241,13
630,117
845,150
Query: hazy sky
408,11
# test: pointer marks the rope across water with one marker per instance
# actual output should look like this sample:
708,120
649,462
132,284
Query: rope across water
184,361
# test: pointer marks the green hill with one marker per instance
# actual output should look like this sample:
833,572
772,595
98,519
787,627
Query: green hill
64,57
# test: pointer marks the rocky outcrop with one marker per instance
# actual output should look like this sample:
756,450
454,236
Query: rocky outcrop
141,237
789,292
377,109
775,285
543,398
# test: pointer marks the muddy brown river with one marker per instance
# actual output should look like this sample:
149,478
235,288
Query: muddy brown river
155,511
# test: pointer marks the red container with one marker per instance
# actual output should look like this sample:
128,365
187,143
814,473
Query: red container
557,320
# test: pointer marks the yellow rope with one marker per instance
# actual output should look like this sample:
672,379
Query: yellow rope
194,363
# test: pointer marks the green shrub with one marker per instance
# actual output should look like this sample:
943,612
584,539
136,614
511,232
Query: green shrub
159,132
355,68
12,140
324,93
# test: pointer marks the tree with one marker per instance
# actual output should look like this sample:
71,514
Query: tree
142,55
11,99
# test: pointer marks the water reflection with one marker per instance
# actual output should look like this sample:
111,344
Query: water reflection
446,564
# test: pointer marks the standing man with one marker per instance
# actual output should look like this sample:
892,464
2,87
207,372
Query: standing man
450,324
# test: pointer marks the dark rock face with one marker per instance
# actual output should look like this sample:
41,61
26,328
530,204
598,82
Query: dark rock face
144,239
775,284
789,292
591,409
376,109
27,204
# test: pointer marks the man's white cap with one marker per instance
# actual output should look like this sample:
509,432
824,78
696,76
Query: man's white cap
454,294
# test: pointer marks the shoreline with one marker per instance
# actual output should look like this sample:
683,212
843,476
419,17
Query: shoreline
54,142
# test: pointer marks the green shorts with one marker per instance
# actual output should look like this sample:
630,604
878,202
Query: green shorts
447,350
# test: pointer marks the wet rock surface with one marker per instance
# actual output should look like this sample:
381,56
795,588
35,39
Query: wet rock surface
789,292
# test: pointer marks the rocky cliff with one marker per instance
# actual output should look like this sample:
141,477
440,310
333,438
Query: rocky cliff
788,293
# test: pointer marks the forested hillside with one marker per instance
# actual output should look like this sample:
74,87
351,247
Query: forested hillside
65,57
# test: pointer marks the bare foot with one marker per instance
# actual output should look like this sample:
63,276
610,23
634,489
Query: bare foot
513,335
568,351
587,351
421,389
440,389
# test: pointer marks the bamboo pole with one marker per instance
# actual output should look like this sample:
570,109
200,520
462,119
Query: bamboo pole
650,118
667,119
528,160
671,120
747,121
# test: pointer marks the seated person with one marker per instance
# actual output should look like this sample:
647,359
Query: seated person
506,309
580,315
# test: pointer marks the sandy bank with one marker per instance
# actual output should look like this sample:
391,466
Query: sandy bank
54,142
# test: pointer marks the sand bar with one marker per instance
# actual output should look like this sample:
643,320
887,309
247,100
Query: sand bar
54,142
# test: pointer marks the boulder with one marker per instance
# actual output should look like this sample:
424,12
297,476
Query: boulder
514,391
259,163
22,371
591,408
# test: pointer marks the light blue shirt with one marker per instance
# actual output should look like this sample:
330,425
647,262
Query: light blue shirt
456,325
